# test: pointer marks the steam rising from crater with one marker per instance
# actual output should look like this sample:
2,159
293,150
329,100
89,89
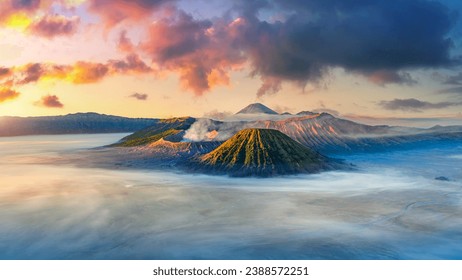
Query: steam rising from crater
205,129
209,130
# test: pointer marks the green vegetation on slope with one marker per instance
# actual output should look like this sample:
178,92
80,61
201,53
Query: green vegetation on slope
263,152
148,139
161,129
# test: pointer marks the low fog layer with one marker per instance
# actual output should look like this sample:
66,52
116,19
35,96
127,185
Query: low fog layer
391,208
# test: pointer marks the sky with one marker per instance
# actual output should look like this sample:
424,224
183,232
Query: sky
364,59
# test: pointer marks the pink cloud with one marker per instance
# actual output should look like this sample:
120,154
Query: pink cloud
201,52
124,44
52,26
114,12
50,101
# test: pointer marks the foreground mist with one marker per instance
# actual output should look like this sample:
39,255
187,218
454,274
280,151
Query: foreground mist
391,208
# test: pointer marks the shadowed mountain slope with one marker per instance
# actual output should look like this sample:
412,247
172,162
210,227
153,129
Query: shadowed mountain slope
263,152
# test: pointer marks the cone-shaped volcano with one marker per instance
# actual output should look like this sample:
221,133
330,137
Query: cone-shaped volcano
256,108
263,152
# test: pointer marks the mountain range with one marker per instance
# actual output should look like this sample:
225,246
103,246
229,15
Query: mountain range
71,124
321,131
302,143
258,108
262,146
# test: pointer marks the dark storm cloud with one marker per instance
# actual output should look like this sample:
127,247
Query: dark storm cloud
454,90
454,80
139,96
415,105
365,37
280,40
381,40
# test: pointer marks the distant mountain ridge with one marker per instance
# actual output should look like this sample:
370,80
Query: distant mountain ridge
71,124
306,113
264,146
322,132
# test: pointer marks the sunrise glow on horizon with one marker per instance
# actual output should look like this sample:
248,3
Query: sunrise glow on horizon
165,58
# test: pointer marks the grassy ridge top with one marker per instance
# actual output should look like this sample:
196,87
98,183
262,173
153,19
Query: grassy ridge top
161,129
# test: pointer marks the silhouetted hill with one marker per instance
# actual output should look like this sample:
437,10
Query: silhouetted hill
71,124
306,113
257,108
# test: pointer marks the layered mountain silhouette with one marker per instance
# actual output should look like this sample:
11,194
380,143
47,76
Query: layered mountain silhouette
263,152
265,146
306,113
71,124
302,143
257,108
322,132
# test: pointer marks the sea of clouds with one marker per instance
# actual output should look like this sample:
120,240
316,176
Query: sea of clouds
391,207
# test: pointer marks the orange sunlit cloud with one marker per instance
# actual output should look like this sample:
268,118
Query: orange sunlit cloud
29,17
260,50
82,72
46,26
7,94
18,21
4,72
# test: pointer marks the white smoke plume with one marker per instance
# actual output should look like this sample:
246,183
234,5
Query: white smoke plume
210,130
